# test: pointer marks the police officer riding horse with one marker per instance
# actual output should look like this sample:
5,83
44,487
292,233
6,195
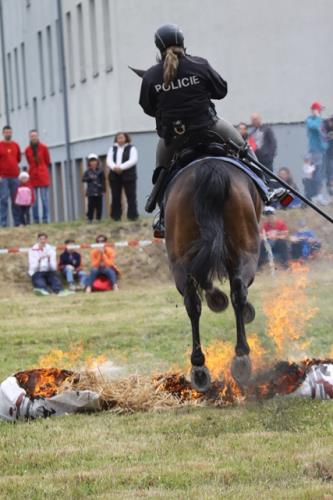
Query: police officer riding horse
177,92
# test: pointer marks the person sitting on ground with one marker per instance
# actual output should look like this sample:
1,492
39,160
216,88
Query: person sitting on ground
286,176
24,198
95,179
304,243
103,264
43,268
70,265
276,232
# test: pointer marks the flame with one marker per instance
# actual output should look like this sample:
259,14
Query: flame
42,382
287,313
71,359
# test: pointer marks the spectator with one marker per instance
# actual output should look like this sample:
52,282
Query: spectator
10,157
122,159
309,182
243,130
95,179
24,198
103,264
43,268
71,267
276,232
263,140
316,148
38,158
328,130
285,174
304,243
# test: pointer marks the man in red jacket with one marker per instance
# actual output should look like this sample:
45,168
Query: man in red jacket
38,159
10,157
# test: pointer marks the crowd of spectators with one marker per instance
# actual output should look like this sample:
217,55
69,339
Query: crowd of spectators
49,275
27,188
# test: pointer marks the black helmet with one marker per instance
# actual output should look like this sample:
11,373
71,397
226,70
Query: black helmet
168,35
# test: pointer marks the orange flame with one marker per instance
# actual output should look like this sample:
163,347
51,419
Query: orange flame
287,313
71,359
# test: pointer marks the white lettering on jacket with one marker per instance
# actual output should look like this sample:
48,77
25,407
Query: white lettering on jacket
178,84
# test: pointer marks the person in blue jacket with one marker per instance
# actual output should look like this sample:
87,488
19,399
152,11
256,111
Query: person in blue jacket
317,147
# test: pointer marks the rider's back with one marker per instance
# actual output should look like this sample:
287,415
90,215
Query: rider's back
188,96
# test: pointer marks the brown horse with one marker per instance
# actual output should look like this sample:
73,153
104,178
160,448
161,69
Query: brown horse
212,210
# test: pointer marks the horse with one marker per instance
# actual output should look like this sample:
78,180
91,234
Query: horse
212,214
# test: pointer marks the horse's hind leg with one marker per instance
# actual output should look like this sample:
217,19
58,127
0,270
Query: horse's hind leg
200,377
239,282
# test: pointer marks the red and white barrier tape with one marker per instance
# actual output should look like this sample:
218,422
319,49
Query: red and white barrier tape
116,244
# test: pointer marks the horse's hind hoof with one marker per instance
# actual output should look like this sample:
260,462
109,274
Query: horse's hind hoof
200,378
249,313
241,369
217,301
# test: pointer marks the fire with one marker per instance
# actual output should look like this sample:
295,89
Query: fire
288,312
71,359
42,382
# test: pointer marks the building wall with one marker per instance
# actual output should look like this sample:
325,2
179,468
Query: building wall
275,56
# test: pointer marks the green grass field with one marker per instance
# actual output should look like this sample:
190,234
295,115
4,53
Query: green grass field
281,448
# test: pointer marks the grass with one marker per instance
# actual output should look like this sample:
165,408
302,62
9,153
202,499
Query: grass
276,449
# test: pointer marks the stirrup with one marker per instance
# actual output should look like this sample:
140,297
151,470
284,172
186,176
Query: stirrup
158,227
282,195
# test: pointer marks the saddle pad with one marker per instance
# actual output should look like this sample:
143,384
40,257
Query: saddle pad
227,159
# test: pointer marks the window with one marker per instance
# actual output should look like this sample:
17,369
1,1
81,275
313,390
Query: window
24,75
107,35
17,78
70,52
10,79
50,58
82,55
93,37
41,64
35,112
57,28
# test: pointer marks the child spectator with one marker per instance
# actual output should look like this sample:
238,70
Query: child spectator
24,198
95,179
309,183
43,268
71,267
304,243
103,264
276,231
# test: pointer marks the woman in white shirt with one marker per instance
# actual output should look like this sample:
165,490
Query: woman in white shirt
122,159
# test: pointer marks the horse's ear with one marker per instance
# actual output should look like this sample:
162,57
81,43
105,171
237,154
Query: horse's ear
139,72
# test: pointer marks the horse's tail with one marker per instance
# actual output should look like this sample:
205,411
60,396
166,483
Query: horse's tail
212,186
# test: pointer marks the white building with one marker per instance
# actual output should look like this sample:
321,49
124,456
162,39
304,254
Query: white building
276,57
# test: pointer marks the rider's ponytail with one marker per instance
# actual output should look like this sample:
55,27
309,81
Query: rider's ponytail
171,63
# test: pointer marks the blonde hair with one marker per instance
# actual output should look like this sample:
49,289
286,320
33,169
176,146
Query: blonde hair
171,63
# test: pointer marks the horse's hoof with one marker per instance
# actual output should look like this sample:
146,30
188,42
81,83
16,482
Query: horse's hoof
249,313
241,369
200,378
217,301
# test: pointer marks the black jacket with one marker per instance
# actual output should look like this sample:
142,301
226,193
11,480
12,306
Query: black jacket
70,258
187,98
95,180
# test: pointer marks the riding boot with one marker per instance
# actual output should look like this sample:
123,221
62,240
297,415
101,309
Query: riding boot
160,174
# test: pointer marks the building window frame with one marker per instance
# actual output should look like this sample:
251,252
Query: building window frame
17,78
81,44
24,75
93,38
50,58
41,63
107,36
70,50
10,79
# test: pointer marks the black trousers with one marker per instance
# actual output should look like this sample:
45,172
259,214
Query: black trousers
117,184
95,203
24,215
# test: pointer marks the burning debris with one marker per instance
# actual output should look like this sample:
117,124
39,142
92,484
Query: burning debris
45,391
